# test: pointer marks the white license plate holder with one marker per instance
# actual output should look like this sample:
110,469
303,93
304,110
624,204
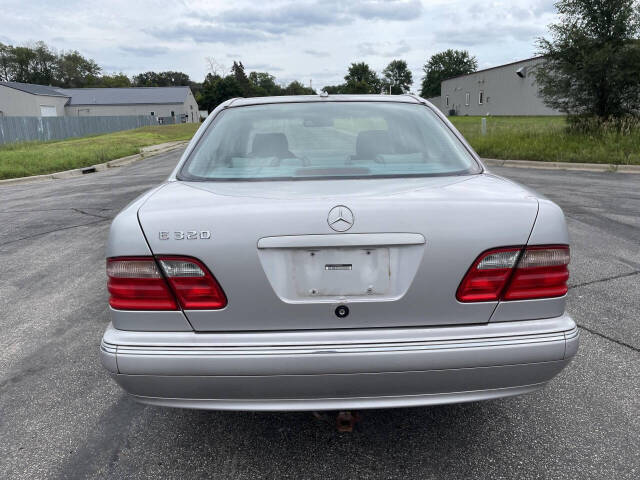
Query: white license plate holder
341,272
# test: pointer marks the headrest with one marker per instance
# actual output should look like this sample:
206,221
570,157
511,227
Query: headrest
371,143
270,145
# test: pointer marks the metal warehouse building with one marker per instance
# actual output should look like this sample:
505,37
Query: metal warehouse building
155,101
22,99
508,89
27,100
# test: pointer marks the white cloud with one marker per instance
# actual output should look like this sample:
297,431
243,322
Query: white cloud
383,49
144,51
316,53
262,67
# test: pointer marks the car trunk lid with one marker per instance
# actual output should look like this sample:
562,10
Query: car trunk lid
283,267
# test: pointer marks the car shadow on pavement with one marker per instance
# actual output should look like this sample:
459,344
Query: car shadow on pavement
277,445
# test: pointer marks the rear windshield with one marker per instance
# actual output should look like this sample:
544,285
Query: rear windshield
327,140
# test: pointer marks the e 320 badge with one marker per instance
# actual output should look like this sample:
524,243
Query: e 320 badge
188,235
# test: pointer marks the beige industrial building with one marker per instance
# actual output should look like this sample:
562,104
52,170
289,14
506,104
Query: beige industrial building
27,100
509,89
23,99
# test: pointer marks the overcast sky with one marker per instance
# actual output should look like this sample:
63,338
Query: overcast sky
292,39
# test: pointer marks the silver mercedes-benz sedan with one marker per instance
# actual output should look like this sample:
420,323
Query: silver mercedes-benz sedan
332,253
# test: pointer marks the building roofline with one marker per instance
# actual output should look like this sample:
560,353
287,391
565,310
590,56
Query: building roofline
494,68
133,96
121,104
119,88
60,95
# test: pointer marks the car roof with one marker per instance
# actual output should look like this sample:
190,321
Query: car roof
239,102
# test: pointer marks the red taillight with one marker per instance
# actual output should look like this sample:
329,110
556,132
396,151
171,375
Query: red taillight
514,274
485,280
542,272
193,284
136,283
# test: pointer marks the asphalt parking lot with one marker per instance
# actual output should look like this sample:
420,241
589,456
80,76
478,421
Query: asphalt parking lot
62,417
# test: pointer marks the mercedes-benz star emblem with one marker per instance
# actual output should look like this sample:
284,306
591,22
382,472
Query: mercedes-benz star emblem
340,218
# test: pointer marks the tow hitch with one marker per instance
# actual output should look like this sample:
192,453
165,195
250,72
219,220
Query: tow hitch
344,420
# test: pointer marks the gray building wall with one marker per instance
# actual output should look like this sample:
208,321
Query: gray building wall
159,110
189,107
436,101
496,91
16,103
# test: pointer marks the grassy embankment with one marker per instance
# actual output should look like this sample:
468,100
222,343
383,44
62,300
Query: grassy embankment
516,138
35,158
546,139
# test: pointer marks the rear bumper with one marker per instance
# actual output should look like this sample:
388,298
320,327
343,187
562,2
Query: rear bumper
339,370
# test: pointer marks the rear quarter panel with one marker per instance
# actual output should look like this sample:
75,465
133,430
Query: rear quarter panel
550,228
126,238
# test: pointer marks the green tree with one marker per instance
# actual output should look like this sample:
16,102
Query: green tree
116,80
217,89
237,70
443,65
6,62
145,79
263,84
361,79
334,89
44,64
398,76
22,67
297,88
38,63
75,71
592,61
161,79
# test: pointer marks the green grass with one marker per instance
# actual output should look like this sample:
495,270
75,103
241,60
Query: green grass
36,158
517,138
546,139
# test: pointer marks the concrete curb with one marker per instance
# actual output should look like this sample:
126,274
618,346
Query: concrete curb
145,152
578,167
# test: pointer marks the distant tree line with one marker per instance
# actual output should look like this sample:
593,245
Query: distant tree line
396,78
40,64
360,78
217,87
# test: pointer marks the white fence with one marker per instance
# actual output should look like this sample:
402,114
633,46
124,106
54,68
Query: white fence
26,129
